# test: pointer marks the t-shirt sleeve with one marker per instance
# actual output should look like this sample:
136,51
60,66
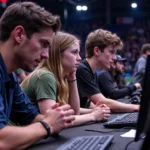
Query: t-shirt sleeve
87,86
45,87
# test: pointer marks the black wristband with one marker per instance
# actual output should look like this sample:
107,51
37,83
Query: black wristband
72,80
46,126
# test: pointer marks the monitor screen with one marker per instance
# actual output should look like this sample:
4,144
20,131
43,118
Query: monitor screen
143,124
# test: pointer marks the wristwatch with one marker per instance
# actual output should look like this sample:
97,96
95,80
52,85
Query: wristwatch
46,126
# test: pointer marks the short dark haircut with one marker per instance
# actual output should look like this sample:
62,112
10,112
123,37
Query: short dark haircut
145,48
29,15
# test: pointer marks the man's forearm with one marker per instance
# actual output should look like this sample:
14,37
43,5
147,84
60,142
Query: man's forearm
116,106
39,117
20,137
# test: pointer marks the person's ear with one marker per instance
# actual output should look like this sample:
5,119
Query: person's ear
18,34
96,51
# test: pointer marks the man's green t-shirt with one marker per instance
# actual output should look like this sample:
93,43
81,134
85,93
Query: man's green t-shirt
42,84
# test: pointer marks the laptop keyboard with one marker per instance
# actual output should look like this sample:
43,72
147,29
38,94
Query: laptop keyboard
87,143
125,120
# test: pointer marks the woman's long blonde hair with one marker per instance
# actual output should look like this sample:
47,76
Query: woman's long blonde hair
60,42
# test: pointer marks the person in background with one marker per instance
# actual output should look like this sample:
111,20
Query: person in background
140,65
110,83
101,46
26,30
54,81
21,74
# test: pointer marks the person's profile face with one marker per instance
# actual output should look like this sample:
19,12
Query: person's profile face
120,67
70,58
107,57
32,51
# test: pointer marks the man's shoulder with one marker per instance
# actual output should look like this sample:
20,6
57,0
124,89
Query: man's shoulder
142,59
84,67
104,74
83,64
84,71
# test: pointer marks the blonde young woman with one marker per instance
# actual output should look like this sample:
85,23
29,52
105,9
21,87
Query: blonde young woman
54,81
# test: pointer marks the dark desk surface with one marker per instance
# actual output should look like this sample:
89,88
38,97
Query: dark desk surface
118,142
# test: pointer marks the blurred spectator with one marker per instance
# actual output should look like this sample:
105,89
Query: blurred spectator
141,64
21,74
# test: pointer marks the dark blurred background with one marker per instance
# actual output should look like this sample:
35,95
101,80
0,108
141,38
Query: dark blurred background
131,24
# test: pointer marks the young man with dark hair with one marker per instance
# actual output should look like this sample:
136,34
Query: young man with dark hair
109,80
140,65
26,30
101,47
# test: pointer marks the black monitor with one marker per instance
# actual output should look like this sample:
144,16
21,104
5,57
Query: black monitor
143,124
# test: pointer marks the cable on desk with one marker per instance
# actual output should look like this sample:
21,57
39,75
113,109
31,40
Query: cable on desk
128,145
115,130
92,130
132,142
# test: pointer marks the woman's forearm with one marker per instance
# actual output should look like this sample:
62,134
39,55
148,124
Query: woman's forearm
85,111
74,100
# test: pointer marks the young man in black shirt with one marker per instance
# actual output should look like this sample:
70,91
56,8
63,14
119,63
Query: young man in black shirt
101,47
